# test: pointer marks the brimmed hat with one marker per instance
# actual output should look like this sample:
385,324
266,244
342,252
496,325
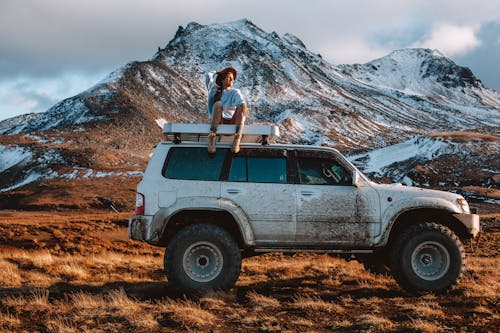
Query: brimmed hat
222,74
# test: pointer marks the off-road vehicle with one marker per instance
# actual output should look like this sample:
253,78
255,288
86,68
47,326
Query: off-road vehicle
211,210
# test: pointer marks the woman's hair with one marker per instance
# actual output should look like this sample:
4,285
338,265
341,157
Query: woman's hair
221,75
218,94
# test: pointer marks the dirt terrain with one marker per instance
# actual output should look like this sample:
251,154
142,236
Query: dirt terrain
67,271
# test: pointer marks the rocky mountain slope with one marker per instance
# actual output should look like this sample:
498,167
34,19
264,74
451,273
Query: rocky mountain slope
112,126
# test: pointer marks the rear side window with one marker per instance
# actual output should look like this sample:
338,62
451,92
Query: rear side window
194,163
258,170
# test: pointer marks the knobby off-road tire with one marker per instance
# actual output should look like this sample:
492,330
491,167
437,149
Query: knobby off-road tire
427,258
202,257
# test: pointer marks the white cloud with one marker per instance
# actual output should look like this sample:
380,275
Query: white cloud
451,39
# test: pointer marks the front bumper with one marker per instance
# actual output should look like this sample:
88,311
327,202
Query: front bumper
471,222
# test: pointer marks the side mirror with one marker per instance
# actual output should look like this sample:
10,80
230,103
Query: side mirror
355,179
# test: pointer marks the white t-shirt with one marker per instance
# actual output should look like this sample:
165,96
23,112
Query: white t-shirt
230,99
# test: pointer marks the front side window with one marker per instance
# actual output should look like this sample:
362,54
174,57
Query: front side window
194,163
258,170
319,171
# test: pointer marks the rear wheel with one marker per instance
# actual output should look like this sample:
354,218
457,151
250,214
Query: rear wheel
427,258
202,257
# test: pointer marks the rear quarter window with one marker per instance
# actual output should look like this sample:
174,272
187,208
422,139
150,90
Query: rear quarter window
194,163
258,170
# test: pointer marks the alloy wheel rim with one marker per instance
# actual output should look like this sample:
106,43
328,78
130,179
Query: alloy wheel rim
202,261
430,260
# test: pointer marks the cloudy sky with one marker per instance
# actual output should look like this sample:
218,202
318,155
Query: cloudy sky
53,49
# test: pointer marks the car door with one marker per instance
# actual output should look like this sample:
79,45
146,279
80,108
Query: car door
257,181
189,172
330,209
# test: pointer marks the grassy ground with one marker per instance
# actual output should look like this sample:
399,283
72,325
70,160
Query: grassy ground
78,272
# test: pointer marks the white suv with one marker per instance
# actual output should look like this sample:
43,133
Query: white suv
209,211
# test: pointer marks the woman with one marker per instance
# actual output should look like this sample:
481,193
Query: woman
225,105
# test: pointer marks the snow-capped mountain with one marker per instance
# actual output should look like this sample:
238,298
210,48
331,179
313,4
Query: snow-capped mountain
409,91
387,101
426,74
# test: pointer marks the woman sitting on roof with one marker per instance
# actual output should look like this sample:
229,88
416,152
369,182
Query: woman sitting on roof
225,105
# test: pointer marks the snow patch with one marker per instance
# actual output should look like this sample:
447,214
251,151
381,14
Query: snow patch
491,171
37,138
101,174
10,156
161,122
72,175
37,166
407,181
420,147
31,177
79,173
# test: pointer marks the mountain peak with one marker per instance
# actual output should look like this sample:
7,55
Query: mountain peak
416,53
292,39
219,35
193,26
242,22
418,71
411,57
235,43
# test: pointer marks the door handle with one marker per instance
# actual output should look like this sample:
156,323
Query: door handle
307,193
233,191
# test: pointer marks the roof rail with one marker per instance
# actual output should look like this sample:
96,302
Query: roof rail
179,132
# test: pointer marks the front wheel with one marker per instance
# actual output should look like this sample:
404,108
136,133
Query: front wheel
427,258
202,257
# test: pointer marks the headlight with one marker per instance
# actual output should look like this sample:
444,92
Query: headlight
464,205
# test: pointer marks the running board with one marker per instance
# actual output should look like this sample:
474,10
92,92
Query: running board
297,250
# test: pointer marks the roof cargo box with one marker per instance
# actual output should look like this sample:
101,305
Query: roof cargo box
179,132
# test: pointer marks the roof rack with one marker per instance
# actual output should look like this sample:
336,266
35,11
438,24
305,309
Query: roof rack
178,132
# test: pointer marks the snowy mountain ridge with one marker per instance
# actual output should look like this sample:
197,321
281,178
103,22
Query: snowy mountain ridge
417,72
407,92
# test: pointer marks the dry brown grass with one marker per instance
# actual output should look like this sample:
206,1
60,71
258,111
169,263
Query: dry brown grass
43,269
59,287
424,309
424,326
372,322
9,322
492,193
71,270
9,274
485,284
258,300
62,324
187,312
83,301
466,136
315,303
